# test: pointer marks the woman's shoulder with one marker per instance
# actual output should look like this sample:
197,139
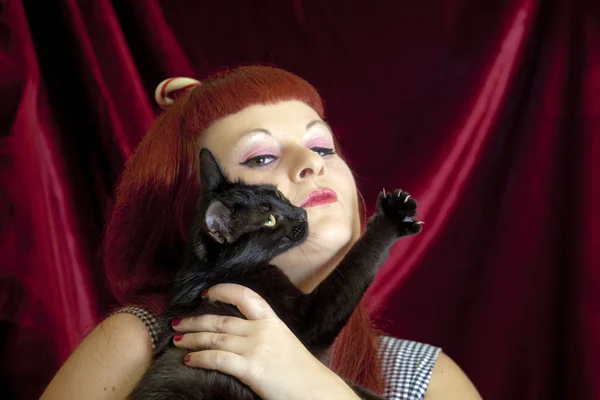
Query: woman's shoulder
143,315
416,371
108,361
449,382
129,329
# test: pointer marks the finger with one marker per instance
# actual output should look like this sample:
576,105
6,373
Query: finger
212,341
246,300
213,323
223,361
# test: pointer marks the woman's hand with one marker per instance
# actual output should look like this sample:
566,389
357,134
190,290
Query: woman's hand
261,351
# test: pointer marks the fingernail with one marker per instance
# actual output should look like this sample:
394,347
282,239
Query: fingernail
204,293
175,322
187,358
178,337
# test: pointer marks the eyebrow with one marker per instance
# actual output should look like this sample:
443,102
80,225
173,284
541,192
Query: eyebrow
257,130
310,125
319,121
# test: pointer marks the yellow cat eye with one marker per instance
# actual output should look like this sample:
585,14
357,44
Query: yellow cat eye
271,221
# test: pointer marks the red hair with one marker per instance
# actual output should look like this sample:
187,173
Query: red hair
147,229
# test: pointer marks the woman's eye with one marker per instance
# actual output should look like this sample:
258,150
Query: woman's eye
323,151
260,161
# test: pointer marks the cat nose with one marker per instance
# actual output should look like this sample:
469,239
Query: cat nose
302,217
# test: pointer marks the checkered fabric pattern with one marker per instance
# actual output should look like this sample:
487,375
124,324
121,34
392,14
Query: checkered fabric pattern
406,365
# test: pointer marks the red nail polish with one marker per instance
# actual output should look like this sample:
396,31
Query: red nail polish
204,292
187,358
175,322
178,337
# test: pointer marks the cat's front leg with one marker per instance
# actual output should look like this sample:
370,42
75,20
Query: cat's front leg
334,300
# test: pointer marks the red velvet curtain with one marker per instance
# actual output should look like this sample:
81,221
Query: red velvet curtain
488,112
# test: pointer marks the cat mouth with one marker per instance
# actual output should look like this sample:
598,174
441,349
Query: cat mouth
296,236
297,233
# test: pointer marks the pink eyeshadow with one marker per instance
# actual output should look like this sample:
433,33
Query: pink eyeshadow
253,152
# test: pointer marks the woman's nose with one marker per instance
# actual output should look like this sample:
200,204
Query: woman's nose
308,165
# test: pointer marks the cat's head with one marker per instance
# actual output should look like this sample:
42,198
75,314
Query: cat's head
253,216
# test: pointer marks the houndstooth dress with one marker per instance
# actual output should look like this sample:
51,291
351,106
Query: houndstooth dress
406,365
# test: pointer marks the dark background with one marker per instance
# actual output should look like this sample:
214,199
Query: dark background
488,112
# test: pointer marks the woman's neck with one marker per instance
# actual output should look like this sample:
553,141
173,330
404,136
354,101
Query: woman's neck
319,275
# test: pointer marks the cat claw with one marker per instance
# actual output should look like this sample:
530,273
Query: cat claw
419,222
407,197
383,191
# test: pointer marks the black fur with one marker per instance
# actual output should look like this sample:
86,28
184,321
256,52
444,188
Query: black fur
231,244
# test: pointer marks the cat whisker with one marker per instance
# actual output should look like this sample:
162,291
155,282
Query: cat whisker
312,270
319,247
311,239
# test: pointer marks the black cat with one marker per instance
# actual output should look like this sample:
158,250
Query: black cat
239,228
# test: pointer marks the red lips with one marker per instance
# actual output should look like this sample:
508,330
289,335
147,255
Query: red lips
319,198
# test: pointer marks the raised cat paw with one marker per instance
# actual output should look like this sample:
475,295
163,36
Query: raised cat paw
400,208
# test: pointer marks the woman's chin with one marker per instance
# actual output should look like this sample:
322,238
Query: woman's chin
329,231
322,247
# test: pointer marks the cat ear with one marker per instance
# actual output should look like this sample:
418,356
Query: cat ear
211,175
217,221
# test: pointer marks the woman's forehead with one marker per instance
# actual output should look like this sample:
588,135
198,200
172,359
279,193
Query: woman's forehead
270,119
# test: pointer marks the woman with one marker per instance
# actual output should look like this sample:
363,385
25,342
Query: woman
264,125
